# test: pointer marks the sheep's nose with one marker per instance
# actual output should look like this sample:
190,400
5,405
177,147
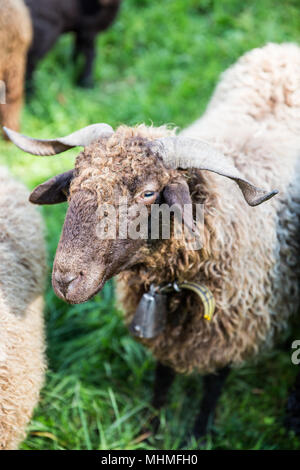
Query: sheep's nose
64,280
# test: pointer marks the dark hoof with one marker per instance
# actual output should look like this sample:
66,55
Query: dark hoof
85,83
293,424
292,419
152,425
201,441
150,428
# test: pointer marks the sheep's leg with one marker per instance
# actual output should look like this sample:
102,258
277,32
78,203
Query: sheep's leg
31,65
164,377
44,38
77,48
213,385
292,420
85,45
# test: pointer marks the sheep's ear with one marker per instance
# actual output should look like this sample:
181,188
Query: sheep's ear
53,191
178,193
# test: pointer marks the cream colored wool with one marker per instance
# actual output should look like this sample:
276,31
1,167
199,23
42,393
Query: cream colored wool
22,272
15,39
252,263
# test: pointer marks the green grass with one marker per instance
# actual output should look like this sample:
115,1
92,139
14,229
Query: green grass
158,63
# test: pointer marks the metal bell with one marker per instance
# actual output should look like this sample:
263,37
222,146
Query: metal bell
150,316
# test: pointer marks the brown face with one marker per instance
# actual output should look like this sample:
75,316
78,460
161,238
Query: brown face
125,164
84,261
114,177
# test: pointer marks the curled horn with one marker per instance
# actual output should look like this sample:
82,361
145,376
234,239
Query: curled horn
82,138
182,152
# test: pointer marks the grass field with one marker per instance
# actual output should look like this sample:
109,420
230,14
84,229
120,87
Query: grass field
159,63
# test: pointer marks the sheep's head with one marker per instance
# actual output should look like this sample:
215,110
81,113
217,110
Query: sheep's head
129,170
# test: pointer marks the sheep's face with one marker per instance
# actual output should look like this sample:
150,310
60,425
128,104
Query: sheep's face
110,177
122,173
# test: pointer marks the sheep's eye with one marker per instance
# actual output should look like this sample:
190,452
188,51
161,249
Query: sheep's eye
148,197
148,194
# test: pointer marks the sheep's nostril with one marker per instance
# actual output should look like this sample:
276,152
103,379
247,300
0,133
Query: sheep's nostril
64,280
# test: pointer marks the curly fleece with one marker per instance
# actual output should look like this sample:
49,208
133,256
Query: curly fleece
250,255
15,39
22,272
99,167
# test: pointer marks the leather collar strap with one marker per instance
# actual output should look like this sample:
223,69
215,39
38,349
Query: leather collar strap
202,291
150,317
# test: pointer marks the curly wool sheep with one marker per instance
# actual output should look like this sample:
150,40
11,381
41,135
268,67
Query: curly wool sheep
84,18
15,39
22,272
249,256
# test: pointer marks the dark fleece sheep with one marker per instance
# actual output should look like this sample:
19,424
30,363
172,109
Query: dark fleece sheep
85,18
250,255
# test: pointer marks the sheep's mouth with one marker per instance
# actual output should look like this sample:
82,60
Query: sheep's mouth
79,290
78,281
88,297
83,295
83,287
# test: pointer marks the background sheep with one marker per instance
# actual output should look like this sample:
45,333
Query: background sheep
85,18
22,270
15,38
250,256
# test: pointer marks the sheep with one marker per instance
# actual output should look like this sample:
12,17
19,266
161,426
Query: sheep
52,18
249,255
15,39
22,273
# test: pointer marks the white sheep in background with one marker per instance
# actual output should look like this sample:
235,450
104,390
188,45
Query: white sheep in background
22,273
15,39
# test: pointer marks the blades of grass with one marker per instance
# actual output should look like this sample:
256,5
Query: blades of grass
115,407
103,442
82,418
125,417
